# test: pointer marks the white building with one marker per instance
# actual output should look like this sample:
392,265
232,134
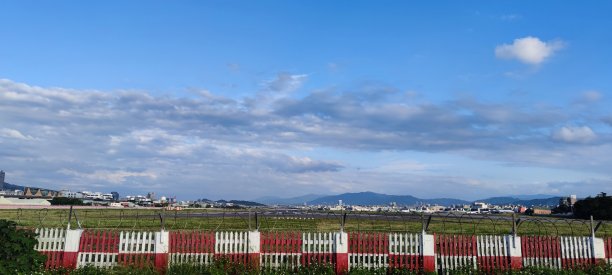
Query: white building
71,194
480,205
11,192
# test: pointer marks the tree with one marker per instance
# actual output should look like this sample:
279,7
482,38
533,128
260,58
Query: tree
562,209
599,207
17,254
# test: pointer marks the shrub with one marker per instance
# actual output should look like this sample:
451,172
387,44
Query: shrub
66,201
17,254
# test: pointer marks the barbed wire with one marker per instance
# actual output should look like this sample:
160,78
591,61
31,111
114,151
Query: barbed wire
307,221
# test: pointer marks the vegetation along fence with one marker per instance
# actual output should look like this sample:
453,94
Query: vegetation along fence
420,252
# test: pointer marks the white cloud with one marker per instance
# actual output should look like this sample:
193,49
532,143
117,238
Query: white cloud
12,133
571,134
530,50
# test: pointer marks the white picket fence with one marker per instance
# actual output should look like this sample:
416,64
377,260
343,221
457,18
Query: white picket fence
136,242
51,242
318,243
192,247
50,239
231,243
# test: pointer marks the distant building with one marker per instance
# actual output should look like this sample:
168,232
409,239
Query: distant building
11,192
2,175
71,194
115,195
480,206
602,195
537,211
568,201
39,192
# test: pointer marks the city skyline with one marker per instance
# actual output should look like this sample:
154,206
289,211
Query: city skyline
243,100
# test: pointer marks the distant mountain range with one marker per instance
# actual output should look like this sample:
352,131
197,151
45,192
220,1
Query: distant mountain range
12,187
371,198
271,200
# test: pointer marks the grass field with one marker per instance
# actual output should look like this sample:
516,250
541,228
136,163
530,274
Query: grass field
190,219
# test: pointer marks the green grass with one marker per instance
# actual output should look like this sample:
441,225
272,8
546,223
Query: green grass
148,219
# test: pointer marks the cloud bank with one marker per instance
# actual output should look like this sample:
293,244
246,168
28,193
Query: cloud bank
214,146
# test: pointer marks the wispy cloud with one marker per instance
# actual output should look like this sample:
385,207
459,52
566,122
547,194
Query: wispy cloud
286,83
583,134
12,133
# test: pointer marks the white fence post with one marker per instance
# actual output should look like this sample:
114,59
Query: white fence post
254,248
340,249
599,250
162,245
71,247
513,244
428,252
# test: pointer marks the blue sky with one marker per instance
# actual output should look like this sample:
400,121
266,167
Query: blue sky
241,99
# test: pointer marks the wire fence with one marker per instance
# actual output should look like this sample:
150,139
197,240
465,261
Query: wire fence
305,221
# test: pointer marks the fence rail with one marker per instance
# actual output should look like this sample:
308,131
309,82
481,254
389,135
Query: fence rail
370,250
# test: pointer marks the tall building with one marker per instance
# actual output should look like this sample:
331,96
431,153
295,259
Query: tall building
2,174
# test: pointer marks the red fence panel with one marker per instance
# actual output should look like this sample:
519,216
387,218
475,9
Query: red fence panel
456,252
368,250
281,249
98,248
541,251
492,253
